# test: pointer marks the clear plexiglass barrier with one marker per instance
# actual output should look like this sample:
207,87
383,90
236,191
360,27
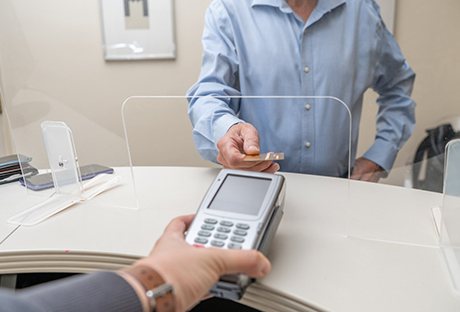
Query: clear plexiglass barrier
408,218
59,137
159,133
448,220
158,130
75,167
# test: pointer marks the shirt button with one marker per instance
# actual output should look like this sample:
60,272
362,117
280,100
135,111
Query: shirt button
306,69
307,144
307,106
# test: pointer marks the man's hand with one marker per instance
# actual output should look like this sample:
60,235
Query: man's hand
367,170
240,140
192,271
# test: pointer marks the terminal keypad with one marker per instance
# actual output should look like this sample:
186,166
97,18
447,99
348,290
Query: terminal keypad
223,229
221,233
207,227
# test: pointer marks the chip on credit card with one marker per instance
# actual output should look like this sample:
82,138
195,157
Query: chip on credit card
265,156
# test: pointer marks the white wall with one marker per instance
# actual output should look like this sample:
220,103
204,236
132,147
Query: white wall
54,67
387,9
54,47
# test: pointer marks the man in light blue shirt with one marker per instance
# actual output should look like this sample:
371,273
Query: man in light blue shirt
336,48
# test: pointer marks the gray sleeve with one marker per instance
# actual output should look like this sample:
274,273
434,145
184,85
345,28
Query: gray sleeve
103,291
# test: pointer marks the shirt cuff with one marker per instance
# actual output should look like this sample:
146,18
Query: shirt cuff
383,153
222,125
101,291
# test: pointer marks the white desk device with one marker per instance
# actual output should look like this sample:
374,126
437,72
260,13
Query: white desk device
241,210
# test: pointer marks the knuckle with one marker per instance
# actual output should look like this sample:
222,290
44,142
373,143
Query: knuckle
221,143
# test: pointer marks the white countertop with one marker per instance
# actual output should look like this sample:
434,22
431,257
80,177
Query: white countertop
341,246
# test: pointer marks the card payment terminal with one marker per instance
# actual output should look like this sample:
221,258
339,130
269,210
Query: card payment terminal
241,210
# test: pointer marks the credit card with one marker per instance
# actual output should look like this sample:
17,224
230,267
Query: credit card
264,156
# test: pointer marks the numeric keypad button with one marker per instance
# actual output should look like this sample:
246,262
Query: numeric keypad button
234,246
217,243
242,226
207,227
240,232
210,221
204,233
223,229
201,240
237,239
220,236
226,223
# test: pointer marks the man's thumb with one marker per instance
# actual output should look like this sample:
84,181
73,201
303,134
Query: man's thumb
250,140
249,262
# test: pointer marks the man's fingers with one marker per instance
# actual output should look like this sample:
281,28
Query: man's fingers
263,166
179,225
363,168
251,147
249,262
274,167
371,176
242,139
229,148
238,163
228,151
355,175
231,157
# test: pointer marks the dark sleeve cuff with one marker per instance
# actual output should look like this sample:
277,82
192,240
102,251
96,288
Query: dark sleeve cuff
102,291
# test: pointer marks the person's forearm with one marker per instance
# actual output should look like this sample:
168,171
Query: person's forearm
212,110
211,118
395,119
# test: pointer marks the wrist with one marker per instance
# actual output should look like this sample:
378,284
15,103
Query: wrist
156,294
138,289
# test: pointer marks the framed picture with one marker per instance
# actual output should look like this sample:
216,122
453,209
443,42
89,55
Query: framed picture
138,29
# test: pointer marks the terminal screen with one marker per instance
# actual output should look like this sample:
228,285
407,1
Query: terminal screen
241,194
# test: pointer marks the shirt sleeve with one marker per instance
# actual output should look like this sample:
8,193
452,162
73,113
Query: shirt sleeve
393,81
211,110
103,291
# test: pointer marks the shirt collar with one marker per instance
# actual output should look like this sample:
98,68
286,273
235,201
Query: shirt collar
275,3
325,6
282,4
322,7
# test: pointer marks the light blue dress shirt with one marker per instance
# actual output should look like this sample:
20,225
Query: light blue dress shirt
262,48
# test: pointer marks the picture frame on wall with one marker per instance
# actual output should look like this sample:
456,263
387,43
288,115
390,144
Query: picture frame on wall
137,29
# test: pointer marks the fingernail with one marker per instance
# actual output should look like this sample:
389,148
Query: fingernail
277,167
265,268
264,271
